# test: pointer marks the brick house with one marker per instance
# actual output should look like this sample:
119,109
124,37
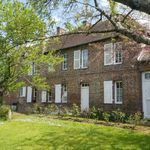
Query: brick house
104,70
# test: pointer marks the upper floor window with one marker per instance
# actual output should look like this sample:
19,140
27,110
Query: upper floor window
112,53
51,68
65,63
32,69
22,92
80,59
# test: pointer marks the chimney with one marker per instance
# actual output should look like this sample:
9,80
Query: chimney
86,23
60,31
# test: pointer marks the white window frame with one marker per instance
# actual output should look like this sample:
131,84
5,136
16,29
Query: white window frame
118,51
22,92
44,96
64,97
112,51
65,62
51,68
118,102
80,59
32,69
49,96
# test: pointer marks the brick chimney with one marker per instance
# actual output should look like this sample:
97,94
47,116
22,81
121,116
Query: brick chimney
86,23
60,31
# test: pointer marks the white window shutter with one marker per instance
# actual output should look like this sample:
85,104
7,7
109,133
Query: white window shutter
108,54
24,91
58,93
108,92
43,96
29,94
77,59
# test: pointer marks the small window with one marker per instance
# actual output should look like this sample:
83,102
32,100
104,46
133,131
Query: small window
112,53
64,93
147,76
80,59
65,63
34,97
118,53
32,69
51,68
118,92
22,92
49,96
84,59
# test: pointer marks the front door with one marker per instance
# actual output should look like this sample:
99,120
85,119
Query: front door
84,97
146,93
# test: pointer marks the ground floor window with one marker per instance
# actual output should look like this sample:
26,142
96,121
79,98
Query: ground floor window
118,92
113,92
22,92
64,93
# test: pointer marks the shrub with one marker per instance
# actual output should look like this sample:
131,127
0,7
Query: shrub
106,116
135,118
4,110
75,110
118,116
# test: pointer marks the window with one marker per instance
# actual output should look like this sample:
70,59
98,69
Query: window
51,68
112,53
117,53
22,92
118,92
147,76
80,59
46,96
32,69
49,96
64,64
64,93
109,93
34,97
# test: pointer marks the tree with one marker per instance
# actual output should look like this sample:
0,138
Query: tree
139,5
21,40
124,25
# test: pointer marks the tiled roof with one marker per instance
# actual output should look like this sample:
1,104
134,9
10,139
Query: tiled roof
77,39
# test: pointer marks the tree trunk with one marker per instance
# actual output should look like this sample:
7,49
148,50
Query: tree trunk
1,97
140,5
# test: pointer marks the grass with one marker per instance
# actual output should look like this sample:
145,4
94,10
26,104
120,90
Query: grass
25,132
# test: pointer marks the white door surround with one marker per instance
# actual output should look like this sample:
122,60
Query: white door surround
84,97
146,93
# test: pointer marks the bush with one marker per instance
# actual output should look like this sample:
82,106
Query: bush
75,110
106,116
4,110
117,116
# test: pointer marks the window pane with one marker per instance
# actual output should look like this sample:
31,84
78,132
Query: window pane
119,93
84,58
64,64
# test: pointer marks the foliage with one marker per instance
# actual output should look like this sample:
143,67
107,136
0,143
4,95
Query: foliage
106,116
22,34
4,110
75,110
135,118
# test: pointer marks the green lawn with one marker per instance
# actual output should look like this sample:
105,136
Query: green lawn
34,133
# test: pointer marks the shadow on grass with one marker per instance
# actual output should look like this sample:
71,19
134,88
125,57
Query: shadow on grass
89,138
